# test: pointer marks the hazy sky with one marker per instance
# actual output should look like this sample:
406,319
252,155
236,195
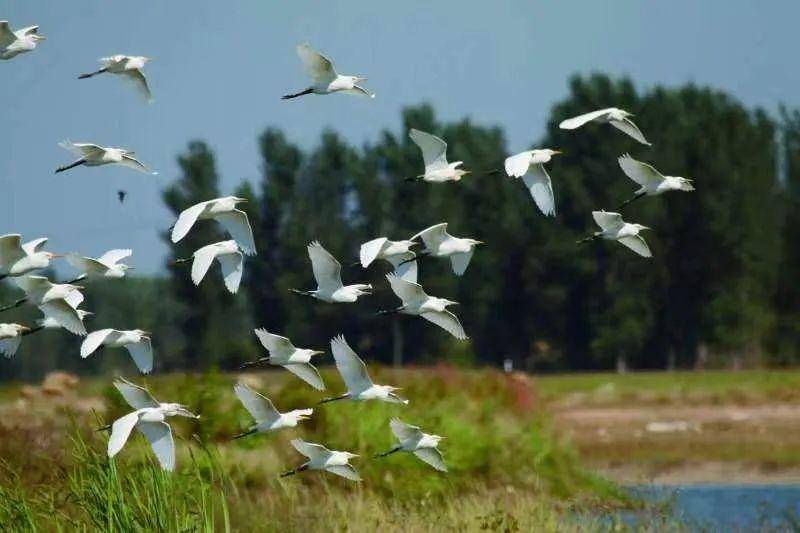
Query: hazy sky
221,66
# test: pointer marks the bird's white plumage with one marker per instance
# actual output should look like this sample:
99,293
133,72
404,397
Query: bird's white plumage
113,257
616,229
136,396
296,360
433,457
434,150
224,211
135,341
315,452
404,431
65,314
120,431
619,118
580,120
307,372
319,67
279,347
417,302
160,436
259,406
350,366
608,221
327,270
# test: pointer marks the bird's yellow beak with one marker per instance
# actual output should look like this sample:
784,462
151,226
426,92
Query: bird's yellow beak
557,152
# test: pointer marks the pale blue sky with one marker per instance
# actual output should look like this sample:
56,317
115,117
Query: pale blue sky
221,66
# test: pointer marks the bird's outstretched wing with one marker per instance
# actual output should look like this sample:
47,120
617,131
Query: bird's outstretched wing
160,436
113,257
33,284
434,149
85,264
136,396
409,292
345,471
202,262
74,298
637,244
87,150
369,250
433,457
275,344
433,236
96,339
307,372
460,262
131,162
311,450
405,268
64,315
358,90
626,125
260,407
142,354
327,270
350,366
403,431
232,268
31,247
237,225
541,188
120,431
517,165
319,67
608,221
8,347
28,30
186,220
7,36
11,249
642,173
448,322
580,120
137,78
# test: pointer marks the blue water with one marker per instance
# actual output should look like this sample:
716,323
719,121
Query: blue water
725,507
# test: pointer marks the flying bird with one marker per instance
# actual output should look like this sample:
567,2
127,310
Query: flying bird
354,374
149,417
324,78
92,155
283,353
18,259
267,418
107,265
121,196
321,458
136,341
11,337
58,302
328,274
434,155
49,322
618,118
230,260
529,166
412,439
224,211
439,243
417,302
398,253
651,181
130,67
13,43
615,229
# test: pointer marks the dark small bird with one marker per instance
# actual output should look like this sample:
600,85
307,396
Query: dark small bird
121,195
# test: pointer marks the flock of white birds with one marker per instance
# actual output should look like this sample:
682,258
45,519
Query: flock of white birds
59,302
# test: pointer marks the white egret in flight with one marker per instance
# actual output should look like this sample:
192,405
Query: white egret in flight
11,337
93,155
150,418
230,259
283,353
439,243
49,322
130,67
651,181
13,43
58,302
619,118
434,155
266,416
224,211
18,259
107,265
398,253
354,374
324,78
136,341
321,458
529,166
412,439
328,274
615,229
417,302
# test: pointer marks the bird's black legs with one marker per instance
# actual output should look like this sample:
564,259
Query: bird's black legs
630,201
295,95
31,331
590,238
390,452
14,305
390,311
304,293
76,280
326,400
90,74
295,470
246,433
77,163
419,255
182,261
104,428
248,364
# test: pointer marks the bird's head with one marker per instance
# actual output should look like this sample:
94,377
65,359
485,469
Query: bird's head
146,59
50,256
73,287
551,153
304,414
36,37
124,267
363,288
84,314
21,329
351,455
316,352
142,332
239,200
641,227
357,79
177,409
437,439
449,302
458,173
685,184
474,242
